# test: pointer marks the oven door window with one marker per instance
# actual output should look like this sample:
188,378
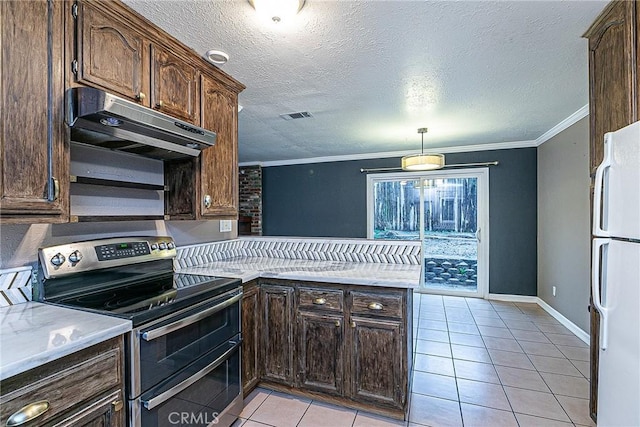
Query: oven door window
198,394
190,336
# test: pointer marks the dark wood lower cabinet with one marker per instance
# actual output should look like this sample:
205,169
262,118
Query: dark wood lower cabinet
345,344
375,365
320,352
277,333
106,412
82,389
250,336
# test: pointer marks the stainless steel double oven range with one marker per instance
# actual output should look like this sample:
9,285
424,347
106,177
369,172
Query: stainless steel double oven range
183,354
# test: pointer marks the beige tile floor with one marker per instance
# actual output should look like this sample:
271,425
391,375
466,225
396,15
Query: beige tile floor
476,363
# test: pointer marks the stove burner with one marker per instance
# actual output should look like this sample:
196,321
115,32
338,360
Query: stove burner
140,303
94,300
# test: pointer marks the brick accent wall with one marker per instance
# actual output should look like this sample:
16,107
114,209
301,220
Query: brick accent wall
250,184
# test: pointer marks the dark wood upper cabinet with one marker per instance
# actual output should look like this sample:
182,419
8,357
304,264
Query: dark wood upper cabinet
110,54
613,69
174,86
376,361
219,164
320,352
250,336
33,161
614,99
277,333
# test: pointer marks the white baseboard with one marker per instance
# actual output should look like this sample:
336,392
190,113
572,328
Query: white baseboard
513,298
584,336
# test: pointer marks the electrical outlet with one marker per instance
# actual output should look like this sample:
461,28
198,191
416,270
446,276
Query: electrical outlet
553,290
225,225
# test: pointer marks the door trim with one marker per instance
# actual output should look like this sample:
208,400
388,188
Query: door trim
482,175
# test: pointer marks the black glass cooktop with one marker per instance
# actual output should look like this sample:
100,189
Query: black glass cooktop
141,293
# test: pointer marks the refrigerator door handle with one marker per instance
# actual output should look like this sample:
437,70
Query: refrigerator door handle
595,290
598,189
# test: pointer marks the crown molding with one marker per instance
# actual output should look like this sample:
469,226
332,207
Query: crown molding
569,121
390,154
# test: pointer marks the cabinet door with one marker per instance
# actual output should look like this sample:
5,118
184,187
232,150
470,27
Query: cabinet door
250,337
110,54
219,164
277,333
613,80
33,160
174,85
320,352
377,361
106,412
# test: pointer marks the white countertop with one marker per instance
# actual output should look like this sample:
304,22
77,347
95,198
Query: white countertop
33,333
356,273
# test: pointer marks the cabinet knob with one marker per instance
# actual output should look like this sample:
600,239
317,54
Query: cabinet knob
337,323
353,324
141,96
117,405
375,306
28,413
160,104
319,301
207,201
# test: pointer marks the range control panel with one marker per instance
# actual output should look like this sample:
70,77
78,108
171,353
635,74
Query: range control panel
122,250
64,260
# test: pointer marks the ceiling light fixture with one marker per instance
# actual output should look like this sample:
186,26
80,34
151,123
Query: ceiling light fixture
422,161
277,10
216,57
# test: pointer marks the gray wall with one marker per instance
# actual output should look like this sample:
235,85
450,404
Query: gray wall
563,222
329,200
19,243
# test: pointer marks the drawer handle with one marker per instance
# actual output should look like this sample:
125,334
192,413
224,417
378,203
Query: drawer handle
319,301
375,306
28,413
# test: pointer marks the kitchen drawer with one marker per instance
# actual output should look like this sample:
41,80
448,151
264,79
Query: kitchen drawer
71,382
320,299
384,304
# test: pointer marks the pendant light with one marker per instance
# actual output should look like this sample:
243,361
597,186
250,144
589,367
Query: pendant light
422,161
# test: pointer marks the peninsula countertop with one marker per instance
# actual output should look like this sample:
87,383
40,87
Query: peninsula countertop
34,333
357,273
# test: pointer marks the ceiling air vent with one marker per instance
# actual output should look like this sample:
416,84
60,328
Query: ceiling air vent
300,115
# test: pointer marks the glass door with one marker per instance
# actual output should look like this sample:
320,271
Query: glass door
448,211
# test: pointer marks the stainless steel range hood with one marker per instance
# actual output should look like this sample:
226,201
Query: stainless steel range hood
101,119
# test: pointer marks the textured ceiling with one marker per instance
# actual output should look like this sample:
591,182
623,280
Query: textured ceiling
372,72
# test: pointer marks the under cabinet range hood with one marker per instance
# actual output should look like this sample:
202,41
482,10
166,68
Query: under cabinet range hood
104,120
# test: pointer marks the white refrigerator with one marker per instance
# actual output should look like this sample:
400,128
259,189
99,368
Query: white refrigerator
616,277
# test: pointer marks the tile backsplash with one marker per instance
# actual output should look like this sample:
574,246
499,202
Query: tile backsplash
15,286
346,250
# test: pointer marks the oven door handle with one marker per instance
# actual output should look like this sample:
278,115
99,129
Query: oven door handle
163,397
178,324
